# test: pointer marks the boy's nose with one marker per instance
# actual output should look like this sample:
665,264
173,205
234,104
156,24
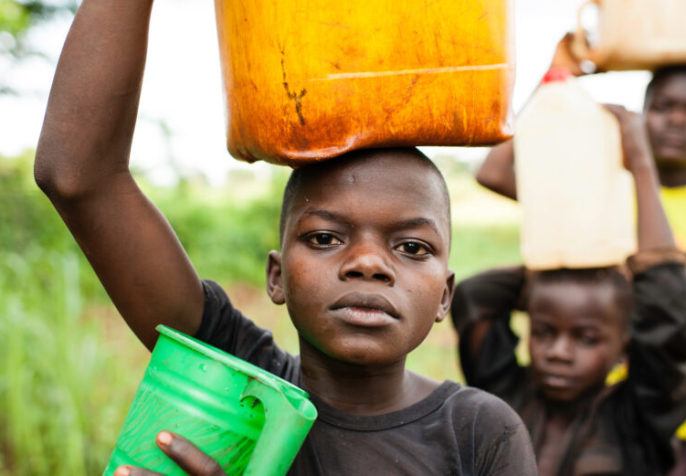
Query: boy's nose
367,261
677,116
561,349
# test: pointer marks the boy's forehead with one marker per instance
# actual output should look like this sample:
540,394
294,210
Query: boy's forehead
575,300
370,178
670,84
381,170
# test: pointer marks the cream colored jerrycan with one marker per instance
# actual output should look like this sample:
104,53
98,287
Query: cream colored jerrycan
306,80
635,34
575,194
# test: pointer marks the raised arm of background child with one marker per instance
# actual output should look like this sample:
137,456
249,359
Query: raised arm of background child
497,170
82,166
657,349
653,228
480,311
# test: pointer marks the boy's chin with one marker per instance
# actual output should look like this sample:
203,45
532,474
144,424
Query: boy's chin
361,355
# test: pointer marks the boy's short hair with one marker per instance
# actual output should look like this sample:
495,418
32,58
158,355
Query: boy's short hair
591,277
660,75
307,172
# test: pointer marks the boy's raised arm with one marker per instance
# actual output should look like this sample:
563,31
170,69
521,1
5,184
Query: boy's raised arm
82,165
654,232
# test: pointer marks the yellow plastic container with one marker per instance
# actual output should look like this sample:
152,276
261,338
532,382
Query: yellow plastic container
635,34
309,80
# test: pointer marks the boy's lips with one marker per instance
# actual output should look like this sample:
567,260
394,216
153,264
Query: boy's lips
673,140
365,309
556,381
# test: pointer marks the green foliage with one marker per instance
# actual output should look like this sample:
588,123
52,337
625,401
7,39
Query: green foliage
17,17
53,419
227,237
477,248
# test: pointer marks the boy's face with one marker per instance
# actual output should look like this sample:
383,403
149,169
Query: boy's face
364,261
665,113
577,336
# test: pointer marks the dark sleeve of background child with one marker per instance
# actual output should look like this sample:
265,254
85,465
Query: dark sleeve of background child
657,349
480,312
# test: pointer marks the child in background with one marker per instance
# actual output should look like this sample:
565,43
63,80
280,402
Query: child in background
363,270
584,322
665,118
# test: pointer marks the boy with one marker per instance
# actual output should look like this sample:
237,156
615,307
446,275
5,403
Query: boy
363,270
664,109
582,324
665,118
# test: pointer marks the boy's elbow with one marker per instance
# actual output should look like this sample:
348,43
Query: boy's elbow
496,183
55,181
484,179
489,180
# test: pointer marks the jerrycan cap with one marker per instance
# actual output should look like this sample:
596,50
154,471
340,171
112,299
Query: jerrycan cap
556,73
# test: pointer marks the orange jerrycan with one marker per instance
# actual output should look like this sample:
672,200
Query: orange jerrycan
635,34
306,80
576,196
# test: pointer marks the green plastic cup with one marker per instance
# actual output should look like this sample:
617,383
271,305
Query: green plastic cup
249,420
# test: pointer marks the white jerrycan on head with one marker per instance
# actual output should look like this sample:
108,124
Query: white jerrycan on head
576,196
634,34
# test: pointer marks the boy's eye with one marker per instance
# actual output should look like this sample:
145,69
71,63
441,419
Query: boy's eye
413,248
540,332
660,106
323,239
589,339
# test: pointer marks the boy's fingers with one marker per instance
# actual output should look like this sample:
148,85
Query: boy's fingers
133,471
187,455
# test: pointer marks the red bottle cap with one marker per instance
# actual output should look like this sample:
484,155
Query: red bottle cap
556,73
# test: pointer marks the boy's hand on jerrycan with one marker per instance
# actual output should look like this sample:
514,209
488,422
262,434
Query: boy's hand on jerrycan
564,57
635,142
184,453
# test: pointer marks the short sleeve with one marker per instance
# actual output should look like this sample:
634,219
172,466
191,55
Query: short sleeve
504,445
228,329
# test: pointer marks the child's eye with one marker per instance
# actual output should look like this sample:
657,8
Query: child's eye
588,340
660,106
323,239
540,333
413,248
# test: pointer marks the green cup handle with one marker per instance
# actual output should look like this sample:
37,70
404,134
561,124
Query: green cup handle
284,430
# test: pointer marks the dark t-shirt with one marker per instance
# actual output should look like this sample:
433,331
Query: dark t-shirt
456,430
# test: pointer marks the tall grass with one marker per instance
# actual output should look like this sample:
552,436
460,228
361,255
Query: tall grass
63,394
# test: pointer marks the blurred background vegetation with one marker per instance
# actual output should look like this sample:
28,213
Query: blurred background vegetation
69,366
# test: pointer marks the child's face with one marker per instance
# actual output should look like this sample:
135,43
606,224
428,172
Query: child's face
665,114
363,268
577,336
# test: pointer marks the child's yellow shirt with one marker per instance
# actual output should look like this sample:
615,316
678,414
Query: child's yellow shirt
674,203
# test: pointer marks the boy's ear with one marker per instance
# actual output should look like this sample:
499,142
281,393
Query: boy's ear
447,298
274,281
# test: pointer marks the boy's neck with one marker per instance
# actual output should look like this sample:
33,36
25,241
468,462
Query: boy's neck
359,389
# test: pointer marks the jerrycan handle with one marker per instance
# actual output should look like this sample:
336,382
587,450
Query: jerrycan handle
284,431
579,46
